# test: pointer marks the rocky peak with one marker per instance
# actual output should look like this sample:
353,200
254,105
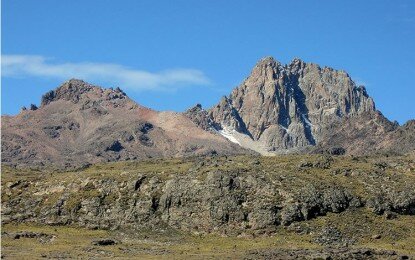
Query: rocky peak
200,117
297,60
287,106
268,61
267,68
74,89
195,109
296,65
69,90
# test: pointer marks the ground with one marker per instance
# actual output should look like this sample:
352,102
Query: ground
72,242
361,232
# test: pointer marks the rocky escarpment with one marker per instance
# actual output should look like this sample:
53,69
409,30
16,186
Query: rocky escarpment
226,195
295,107
78,124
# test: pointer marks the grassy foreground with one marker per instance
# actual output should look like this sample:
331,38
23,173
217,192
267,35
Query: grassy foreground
364,228
71,242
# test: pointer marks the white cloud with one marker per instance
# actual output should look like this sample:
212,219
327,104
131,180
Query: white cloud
108,73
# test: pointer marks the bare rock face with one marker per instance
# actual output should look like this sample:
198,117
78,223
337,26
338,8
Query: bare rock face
79,124
298,106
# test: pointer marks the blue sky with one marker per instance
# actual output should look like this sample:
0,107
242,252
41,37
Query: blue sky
169,56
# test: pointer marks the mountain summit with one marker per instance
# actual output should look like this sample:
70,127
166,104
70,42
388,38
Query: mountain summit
294,107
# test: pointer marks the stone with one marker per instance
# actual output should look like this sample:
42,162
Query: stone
116,146
377,236
331,236
390,215
336,151
104,242
33,107
42,237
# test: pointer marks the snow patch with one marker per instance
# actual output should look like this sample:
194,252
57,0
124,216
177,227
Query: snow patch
229,134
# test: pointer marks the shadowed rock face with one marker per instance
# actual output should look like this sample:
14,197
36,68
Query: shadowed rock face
79,123
296,106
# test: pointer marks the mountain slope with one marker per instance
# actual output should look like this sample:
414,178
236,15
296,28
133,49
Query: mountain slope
79,123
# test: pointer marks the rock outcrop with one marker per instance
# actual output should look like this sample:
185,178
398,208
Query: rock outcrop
201,118
212,194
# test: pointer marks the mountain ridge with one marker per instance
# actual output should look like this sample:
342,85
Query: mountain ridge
291,108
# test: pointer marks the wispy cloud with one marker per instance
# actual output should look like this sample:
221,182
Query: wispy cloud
107,73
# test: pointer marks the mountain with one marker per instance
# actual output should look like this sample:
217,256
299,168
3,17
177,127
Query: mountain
78,124
294,108
301,107
246,206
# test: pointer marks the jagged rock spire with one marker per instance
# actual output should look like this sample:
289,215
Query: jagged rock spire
287,106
